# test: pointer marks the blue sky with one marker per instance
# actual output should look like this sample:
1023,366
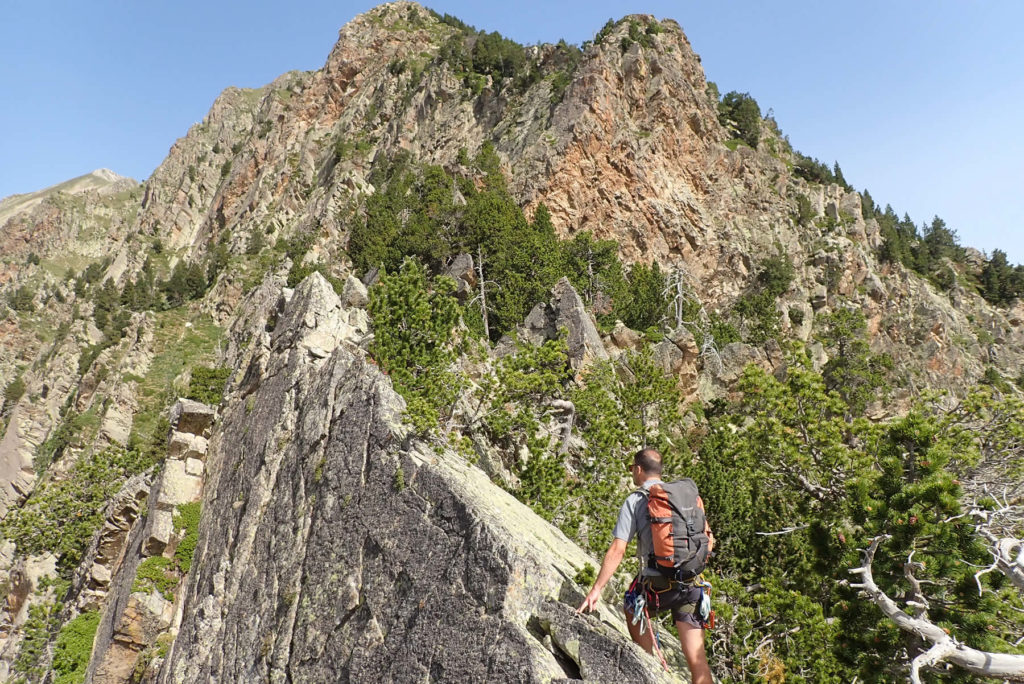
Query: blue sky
922,103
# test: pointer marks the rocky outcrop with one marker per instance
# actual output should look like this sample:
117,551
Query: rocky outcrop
337,547
565,313
136,612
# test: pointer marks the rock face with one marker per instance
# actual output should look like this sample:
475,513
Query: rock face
336,548
566,313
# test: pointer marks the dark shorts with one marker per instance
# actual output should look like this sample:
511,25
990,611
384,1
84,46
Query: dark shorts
681,599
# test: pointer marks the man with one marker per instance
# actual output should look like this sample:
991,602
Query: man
682,599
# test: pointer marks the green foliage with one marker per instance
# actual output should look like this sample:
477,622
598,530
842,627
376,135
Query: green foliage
638,35
646,302
73,647
186,521
61,515
186,282
776,275
722,331
620,408
994,378
796,482
813,171
14,391
156,573
852,370
804,211
518,419
756,310
740,113
23,299
256,244
40,625
207,384
1001,283
586,575
566,59
346,148
477,55
928,252
108,313
604,32
594,269
414,213
413,322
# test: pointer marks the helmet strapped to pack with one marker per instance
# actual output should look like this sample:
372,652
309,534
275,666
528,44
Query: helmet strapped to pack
679,543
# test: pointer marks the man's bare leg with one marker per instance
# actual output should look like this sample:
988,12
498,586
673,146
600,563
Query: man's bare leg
646,640
692,640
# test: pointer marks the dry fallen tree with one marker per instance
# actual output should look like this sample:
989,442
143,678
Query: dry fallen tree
944,646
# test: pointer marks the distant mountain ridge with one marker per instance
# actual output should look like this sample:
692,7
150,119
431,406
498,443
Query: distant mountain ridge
100,179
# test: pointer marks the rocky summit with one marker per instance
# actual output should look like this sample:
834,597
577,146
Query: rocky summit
342,391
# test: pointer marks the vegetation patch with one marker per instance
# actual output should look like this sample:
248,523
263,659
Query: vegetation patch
186,521
177,346
207,384
156,572
61,515
73,647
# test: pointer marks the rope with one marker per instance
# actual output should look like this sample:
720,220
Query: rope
656,639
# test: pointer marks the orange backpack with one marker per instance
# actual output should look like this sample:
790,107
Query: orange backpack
679,543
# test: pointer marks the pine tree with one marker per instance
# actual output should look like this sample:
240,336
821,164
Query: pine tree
413,322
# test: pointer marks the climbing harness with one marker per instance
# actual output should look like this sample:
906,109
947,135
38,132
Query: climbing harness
642,617
641,593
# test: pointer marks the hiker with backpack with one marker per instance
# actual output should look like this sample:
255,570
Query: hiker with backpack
673,543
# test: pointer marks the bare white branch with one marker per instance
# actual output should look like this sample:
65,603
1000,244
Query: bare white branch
944,646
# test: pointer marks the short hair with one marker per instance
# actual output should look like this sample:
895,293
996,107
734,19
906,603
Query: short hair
649,461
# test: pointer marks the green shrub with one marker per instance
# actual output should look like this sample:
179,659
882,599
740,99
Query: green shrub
23,299
586,575
207,384
73,648
156,572
739,112
646,302
186,520
14,391
42,621
994,378
804,211
60,516
413,320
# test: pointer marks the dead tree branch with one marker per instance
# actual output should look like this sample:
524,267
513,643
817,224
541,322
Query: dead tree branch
945,647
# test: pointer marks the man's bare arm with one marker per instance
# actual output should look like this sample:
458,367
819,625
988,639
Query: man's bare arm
609,565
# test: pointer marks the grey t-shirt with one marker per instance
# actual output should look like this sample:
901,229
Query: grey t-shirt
633,518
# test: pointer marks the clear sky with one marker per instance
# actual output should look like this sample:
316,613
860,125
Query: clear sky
922,103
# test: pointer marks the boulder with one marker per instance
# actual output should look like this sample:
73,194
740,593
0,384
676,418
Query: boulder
192,417
185,445
350,551
355,294
624,337
176,486
566,311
